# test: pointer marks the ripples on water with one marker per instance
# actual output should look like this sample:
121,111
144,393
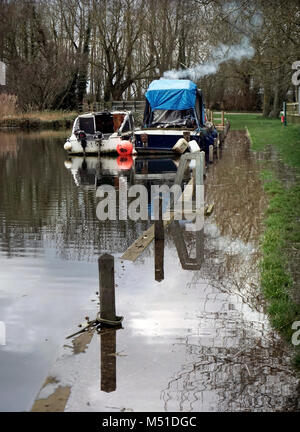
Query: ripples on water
41,206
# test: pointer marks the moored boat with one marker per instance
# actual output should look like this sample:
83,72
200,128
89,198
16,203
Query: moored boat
102,132
174,111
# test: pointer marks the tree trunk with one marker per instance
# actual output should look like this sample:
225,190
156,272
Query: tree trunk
267,98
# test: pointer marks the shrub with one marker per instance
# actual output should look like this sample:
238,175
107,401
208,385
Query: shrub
8,104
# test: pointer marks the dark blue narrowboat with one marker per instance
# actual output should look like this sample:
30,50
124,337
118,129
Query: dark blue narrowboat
174,110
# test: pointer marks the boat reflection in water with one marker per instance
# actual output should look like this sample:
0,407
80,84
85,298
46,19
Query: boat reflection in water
92,171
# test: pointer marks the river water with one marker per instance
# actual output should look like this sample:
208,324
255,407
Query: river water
197,339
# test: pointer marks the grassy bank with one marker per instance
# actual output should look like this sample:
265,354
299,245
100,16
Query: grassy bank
39,120
281,238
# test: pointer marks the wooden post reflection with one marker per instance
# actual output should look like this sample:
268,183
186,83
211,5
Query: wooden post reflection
159,244
108,365
188,263
159,260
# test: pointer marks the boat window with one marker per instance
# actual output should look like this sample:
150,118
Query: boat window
76,125
104,123
126,126
118,120
174,118
147,114
131,121
87,124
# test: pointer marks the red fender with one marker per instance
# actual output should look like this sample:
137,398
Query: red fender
124,148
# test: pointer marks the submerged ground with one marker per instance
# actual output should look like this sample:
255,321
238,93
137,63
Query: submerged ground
198,340
279,148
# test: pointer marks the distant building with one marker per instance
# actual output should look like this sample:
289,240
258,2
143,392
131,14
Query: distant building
2,73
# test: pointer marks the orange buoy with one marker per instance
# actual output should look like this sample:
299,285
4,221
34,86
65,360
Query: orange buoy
124,162
124,148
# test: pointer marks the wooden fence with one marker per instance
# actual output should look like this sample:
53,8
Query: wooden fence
216,117
137,106
292,108
292,112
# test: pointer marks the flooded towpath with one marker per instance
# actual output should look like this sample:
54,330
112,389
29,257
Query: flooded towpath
198,340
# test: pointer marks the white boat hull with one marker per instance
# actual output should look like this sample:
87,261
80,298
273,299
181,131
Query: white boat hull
73,145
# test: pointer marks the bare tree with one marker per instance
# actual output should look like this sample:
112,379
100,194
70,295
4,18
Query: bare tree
62,52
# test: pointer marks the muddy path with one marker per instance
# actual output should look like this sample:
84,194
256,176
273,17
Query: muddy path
198,340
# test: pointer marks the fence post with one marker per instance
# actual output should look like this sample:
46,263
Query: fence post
211,153
284,110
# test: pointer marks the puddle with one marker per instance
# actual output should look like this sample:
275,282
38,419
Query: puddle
196,338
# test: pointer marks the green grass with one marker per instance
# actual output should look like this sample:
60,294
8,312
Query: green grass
264,132
282,219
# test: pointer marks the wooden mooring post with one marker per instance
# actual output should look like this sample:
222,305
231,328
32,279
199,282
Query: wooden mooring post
107,287
109,320
108,315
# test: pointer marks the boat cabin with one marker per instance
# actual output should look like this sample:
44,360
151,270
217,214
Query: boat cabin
104,122
174,104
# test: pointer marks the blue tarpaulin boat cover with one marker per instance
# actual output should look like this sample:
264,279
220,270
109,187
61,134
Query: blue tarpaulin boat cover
171,94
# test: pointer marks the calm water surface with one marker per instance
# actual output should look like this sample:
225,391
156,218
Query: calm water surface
197,340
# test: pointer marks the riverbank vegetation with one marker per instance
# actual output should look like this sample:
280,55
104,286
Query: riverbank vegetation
280,243
39,120
8,105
